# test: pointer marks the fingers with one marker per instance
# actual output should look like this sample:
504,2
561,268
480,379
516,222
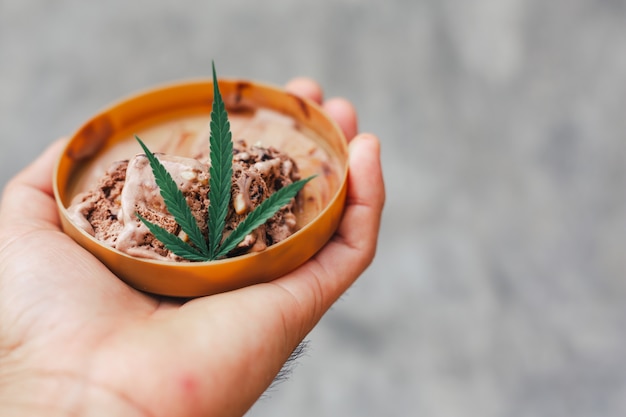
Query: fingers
354,245
338,108
305,87
344,114
365,199
320,282
365,163
29,196
39,173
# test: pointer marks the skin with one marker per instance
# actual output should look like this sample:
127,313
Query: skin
77,341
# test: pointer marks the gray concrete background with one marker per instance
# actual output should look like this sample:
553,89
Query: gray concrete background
500,282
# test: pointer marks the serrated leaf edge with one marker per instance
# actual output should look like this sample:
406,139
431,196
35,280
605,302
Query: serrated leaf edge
261,214
221,171
172,242
175,201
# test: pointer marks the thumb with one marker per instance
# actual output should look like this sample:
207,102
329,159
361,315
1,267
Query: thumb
28,197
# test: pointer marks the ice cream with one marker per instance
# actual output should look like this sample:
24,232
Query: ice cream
107,211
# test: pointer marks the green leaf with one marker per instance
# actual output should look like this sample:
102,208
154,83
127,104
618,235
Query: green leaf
173,242
261,214
221,171
175,201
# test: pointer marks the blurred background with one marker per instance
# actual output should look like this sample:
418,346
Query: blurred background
499,285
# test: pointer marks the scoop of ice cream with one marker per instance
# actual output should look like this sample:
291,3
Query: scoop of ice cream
141,194
128,187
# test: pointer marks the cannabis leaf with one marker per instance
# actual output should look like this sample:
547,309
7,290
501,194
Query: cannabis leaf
220,172
177,205
173,242
261,214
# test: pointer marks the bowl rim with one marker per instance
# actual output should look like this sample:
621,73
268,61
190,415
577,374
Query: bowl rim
161,87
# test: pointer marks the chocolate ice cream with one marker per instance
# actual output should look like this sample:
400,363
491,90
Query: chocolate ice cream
107,212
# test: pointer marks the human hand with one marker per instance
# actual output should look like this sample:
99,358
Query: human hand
76,340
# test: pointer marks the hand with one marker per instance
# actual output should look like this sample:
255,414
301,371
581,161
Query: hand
76,340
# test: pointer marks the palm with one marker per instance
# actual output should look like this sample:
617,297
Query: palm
85,329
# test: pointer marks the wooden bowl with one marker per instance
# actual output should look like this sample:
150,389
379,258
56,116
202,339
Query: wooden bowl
258,112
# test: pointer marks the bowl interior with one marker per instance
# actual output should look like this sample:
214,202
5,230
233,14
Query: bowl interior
174,119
